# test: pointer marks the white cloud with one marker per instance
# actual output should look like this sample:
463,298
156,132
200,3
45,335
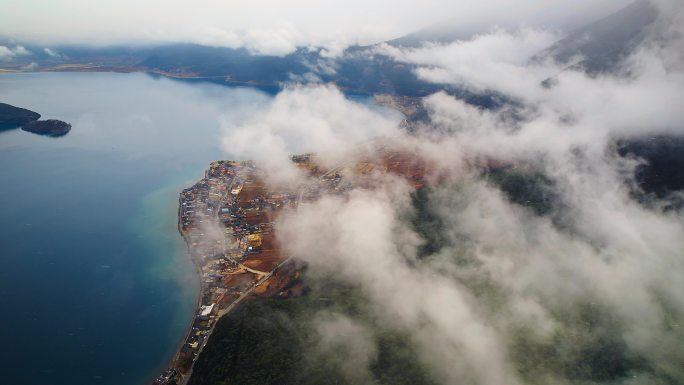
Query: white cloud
302,119
51,52
493,61
523,273
277,41
605,104
356,239
270,27
512,296
7,54
21,51
347,343
30,67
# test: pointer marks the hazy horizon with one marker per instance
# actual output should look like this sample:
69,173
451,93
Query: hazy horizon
276,28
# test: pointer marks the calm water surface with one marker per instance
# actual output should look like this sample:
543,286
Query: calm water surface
95,287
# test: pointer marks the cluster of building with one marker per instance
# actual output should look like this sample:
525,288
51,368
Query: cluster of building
226,221
168,377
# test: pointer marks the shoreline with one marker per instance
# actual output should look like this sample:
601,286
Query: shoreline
198,300
198,270
224,262
223,80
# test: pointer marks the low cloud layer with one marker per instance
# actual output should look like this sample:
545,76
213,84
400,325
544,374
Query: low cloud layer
271,27
7,53
301,119
496,60
587,291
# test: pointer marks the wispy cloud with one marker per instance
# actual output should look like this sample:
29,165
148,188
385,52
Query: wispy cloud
588,292
51,52
7,54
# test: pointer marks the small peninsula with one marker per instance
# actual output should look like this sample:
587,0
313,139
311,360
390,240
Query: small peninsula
49,127
13,117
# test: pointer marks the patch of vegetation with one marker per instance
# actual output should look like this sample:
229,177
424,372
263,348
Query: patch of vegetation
273,341
526,188
586,347
426,223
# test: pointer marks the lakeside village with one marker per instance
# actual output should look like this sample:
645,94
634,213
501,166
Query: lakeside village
227,221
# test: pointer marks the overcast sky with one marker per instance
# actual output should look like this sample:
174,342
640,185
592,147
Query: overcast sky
270,26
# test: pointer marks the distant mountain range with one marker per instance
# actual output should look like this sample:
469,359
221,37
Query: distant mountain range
599,46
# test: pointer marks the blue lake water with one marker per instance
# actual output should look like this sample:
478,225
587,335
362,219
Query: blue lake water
95,286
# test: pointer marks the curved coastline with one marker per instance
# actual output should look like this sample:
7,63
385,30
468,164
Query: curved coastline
198,301
229,274
198,271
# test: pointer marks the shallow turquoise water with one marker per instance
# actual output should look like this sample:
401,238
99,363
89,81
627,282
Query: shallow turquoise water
95,286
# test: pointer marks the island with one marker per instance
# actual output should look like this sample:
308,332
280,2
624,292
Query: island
49,127
14,117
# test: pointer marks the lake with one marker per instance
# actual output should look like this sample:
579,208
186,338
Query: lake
95,285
